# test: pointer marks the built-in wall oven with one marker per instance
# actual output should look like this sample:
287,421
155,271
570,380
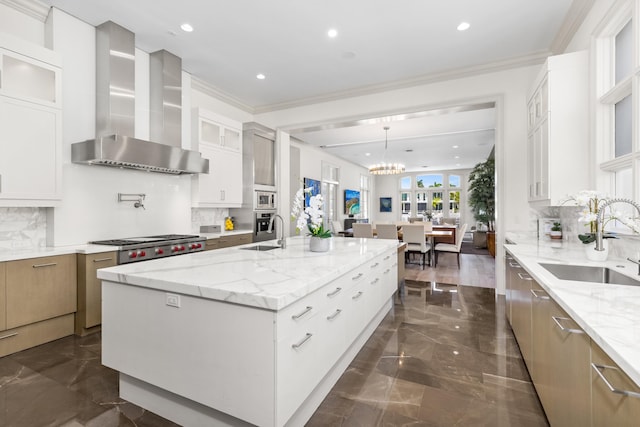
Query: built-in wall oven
262,220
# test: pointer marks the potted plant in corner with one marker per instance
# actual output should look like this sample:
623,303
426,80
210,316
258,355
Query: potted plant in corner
556,230
482,199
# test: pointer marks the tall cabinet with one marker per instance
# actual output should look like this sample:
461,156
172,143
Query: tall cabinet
30,124
558,132
219,139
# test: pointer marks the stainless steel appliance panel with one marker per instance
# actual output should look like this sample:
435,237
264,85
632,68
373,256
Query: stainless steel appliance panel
262,220
264,161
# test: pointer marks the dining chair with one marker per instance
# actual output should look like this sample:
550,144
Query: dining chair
448,247
413,236
387,231
362,230
413,219
428,226
337,227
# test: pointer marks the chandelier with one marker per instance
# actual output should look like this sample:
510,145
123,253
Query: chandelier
386,168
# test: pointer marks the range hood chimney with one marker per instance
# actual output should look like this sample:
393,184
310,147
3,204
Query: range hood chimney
115,144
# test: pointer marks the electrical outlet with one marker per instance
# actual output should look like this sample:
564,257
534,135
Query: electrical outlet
173,300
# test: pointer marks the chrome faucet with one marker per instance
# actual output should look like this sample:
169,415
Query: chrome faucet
600,219
282,242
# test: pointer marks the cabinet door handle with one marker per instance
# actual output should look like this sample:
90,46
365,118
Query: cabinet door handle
334,315
395,264
524,278
387,271
334,293
301,342
373,282
533,292
102,259
515,265
557,319
305,311
374,265
358,295
49,264
9,335
357,277
600,371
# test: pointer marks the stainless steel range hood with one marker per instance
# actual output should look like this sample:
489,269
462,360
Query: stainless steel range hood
115,144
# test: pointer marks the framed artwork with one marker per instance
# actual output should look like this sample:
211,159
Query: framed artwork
385,204
351,202
315,189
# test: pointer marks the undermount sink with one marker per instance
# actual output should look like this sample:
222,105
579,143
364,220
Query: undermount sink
585,273
261,248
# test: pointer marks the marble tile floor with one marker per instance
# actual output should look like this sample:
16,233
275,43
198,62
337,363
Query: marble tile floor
445,357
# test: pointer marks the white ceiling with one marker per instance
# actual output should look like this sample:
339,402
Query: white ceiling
381,44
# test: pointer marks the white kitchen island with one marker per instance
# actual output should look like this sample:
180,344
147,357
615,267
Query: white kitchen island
237,337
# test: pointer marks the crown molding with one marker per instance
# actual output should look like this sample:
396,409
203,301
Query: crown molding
535,58
32,8
208,89
573,20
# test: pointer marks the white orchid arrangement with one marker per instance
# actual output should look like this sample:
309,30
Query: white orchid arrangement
592,201
311,216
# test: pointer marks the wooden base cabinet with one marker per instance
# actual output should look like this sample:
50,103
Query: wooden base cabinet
89,315
615,397
521,310
37,301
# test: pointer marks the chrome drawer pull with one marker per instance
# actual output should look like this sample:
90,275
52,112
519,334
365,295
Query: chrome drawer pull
387,271
599,370
375,281
306,310
524,278
304,340
375,265
387,257
51,264
9,336
562,328
358,295
334,315
102,259
538,296
334,293
357,277
395,264
515,265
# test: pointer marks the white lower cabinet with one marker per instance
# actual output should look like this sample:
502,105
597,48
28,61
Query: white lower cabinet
269,368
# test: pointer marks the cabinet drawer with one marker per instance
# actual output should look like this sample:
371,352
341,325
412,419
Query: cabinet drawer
235,240
40,288
211,244
3,298
18,339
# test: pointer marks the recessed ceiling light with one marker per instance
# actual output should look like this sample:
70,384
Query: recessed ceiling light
457,164
261,76
186,27
455,146
464,26
367,154
332,33
456,157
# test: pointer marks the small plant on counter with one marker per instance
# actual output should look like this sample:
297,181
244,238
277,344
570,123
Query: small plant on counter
556,230
311,216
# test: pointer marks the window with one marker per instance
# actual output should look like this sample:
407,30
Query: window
432,195
617,75
364,196
330,176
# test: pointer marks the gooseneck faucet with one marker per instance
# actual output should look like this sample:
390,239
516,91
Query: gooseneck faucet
282,242
600,219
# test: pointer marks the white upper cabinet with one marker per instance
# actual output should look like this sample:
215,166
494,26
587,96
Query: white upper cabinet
30,124
558,130
218,139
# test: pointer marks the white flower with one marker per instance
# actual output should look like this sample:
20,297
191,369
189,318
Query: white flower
311,216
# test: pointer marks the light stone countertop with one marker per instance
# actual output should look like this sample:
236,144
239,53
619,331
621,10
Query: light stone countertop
609,314
263,279
225,233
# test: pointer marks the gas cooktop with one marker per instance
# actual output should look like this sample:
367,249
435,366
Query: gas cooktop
132,249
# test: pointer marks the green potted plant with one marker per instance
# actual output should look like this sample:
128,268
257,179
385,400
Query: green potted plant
482,199
556,230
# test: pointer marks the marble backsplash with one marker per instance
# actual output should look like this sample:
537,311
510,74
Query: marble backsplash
23,228
624,246
26,228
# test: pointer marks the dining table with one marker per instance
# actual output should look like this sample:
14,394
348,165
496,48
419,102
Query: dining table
429,234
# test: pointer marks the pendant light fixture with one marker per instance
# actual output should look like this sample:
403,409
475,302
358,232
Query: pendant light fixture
386,168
